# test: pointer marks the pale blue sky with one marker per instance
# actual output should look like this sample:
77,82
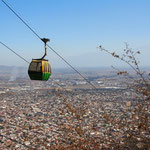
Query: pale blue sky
76,28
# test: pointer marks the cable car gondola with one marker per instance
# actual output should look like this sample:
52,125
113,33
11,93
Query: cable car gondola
39,69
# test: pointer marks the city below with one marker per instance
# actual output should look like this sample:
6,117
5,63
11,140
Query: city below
32,111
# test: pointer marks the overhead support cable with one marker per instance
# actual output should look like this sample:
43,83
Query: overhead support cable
21,19
12,10
72,67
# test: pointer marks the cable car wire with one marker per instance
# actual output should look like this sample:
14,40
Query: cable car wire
14,52
48,45
21,19
72,67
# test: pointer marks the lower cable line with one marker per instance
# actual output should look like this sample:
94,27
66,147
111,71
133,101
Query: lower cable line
14,52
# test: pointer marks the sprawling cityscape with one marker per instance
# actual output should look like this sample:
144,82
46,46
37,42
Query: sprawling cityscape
66,109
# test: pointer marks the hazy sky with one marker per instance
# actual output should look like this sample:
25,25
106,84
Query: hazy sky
76,28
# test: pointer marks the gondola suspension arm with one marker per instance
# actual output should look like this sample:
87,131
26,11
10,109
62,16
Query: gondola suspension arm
45,42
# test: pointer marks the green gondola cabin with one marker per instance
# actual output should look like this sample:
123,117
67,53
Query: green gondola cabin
39,69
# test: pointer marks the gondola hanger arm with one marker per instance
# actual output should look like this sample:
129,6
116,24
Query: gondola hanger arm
45,40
